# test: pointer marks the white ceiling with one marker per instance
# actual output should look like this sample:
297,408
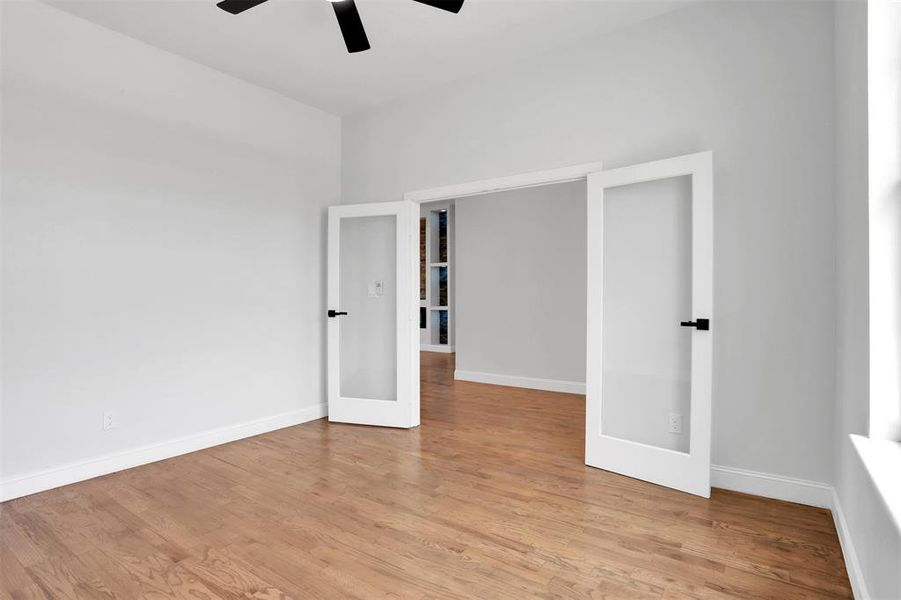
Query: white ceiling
295,47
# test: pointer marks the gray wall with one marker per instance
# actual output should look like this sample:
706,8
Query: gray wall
163,245
521,283
751,81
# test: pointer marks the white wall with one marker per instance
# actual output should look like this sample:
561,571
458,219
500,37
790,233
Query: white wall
163,245
520,285
751,81
875,539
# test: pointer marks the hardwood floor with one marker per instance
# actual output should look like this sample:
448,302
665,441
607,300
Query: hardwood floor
489,498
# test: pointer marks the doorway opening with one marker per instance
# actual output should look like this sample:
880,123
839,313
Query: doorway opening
648,342
437,269
516,286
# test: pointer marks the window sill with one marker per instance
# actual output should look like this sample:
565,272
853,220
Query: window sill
882,459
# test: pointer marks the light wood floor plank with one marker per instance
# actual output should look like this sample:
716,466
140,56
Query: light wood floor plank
489,498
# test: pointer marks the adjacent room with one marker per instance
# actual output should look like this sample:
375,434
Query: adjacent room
450,299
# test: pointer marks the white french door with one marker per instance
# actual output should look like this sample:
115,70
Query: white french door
373,368
650,309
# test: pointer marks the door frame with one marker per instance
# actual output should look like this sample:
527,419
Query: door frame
547,177
503,184
571,173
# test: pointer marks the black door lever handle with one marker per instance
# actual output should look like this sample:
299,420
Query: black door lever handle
700,324
334,313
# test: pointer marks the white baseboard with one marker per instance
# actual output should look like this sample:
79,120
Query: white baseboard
802,491
532,383
852,564
31,483
444,348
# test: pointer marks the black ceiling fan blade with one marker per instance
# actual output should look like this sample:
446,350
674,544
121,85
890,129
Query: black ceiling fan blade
453,6
351,26
238,6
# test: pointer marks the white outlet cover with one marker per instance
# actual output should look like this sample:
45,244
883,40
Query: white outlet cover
675,423
109,420
376,289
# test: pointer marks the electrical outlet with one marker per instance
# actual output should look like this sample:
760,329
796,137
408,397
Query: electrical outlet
376,289
675,423
109,420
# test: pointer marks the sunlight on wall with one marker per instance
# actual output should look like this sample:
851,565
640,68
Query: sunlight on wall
884,70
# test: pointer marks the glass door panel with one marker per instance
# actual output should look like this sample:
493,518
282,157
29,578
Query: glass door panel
368,284
647,292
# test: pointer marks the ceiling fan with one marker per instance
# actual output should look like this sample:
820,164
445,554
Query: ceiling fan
348,18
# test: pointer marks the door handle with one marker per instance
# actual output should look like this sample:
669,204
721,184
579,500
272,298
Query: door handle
700,324
334,313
